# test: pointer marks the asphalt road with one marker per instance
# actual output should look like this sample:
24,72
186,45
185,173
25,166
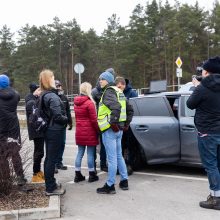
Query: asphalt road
155,193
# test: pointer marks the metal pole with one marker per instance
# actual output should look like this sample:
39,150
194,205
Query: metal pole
79,81
178,83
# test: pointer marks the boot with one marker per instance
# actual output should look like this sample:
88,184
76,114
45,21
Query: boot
37,178
79,177
123,184
106,189
41,174
212,202
93,177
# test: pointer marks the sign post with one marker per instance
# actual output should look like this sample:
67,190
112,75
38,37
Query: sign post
79,69
179,71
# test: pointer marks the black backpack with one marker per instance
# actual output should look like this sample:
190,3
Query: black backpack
38,119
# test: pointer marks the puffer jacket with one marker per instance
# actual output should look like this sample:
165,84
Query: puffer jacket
29,103
86,121
206,100
9,124
54,109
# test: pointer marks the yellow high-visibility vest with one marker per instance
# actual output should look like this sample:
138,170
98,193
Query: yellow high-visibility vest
104,112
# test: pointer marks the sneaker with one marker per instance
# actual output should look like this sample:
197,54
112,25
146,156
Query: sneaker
37,179
21,180
123,184
212,202
41,174
106,189
61,167
57,192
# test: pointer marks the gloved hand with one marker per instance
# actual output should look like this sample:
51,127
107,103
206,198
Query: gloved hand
115,127
125,128
70,127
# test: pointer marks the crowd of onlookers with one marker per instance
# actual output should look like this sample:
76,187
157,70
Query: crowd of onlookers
102,115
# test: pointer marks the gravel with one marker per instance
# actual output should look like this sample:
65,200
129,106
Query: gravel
29,196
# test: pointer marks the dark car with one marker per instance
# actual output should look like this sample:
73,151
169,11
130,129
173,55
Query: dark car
163,130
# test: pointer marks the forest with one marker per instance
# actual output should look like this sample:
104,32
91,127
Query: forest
144,50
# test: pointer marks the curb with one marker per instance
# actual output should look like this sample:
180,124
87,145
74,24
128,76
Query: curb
52,211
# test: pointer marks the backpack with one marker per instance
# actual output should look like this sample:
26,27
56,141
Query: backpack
38,119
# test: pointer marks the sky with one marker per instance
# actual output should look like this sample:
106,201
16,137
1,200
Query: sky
88,13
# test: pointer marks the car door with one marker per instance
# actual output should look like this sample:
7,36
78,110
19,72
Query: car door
188,133
156,129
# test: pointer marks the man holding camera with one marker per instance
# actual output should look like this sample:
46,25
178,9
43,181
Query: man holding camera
206,100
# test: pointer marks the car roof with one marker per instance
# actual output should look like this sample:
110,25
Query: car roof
163,94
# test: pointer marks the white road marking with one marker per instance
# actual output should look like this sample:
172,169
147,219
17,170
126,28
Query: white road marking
151,174
172,176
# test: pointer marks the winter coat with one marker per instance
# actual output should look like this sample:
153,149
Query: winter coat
9,124
129,92
86,121
29,102
53,107
111,101
206,100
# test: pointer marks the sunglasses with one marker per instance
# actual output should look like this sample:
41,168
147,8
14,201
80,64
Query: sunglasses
58,86
101,79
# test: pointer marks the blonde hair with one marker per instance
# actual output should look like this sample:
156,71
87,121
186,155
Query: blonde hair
46,80
86,89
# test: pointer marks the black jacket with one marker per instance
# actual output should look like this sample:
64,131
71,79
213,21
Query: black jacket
206,100
129,92
29,102
54,109
9,124
111,101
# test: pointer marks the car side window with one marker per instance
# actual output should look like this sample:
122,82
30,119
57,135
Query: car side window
152,106
186,111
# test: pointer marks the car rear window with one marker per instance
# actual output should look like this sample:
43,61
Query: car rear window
152,106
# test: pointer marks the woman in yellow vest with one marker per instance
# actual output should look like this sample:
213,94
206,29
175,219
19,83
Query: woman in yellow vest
114,116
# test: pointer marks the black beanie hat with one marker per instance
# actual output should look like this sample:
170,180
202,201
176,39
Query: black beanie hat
33,87
212,65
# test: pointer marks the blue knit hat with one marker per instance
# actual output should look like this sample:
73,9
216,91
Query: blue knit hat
4,81
107,76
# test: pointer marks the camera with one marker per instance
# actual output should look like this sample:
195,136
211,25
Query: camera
198,75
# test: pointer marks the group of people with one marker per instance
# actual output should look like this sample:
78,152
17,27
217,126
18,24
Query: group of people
102,114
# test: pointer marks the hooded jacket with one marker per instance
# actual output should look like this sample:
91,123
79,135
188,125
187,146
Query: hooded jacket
86,121
9,124
128,91
206,100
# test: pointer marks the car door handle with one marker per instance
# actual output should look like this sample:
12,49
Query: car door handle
188,128
143,128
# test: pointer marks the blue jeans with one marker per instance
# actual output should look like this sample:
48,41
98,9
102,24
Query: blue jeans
53,141
59,161
112,143
90,157
209,148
